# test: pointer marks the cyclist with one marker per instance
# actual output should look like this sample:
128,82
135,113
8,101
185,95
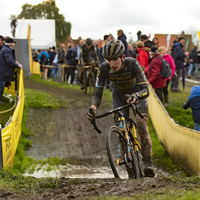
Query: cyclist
13,25
88,56
128,78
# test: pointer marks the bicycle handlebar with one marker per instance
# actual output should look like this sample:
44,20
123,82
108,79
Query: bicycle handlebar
135,110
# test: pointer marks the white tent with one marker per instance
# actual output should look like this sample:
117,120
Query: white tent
42,31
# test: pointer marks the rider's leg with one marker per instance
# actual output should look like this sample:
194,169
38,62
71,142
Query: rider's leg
146,144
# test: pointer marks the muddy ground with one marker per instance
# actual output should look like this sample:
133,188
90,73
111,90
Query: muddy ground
66,133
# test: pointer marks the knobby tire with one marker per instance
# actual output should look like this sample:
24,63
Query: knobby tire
114,134
91,82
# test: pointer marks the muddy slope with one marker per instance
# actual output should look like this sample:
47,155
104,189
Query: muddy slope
66,132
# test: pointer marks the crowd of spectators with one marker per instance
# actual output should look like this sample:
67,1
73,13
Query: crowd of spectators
147,52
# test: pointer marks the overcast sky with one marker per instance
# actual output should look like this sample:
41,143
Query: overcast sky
95,18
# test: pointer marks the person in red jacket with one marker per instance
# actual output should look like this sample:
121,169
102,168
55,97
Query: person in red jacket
143,54
153,73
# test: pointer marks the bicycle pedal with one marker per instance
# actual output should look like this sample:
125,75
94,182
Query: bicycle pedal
122,162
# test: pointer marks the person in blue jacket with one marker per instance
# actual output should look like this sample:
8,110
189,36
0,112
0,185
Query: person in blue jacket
194,103
43,59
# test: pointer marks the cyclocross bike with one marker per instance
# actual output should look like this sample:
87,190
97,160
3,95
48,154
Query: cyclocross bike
123,149
88,78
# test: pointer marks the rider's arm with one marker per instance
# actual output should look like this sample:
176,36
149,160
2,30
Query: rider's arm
100,82
141,82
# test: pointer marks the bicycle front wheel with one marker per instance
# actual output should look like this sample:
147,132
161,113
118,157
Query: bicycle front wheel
122,165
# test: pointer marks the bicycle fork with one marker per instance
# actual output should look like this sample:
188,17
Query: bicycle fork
127,156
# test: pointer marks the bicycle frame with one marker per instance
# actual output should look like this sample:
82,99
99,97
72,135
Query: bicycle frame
122,126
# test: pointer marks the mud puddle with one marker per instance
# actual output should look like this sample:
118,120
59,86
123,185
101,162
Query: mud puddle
72,171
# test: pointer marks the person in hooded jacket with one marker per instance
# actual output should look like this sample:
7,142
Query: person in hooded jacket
122,37
143,54
194,103
153,73
193,58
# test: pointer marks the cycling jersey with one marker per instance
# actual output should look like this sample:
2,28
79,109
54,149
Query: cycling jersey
128,80
86,53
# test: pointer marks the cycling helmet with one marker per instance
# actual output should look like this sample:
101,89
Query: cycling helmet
113,49
88,41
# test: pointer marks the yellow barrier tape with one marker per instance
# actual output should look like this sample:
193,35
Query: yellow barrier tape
12,132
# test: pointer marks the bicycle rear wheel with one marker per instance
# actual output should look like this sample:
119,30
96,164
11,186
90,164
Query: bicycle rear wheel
91,82
127,167
84,81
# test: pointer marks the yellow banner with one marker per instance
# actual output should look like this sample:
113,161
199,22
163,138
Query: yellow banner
11,133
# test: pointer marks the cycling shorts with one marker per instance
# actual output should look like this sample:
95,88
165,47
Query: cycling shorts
120,100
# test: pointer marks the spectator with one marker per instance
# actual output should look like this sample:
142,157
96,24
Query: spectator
106,38
43,59
194,103
139,34
35,55
61,61
179,57
146,41
1,41
173,46
55,66
8,65
100,41
153,73
77,57
52,55
163,52
131,51
122,37
193,58
155,42
143,54
70,57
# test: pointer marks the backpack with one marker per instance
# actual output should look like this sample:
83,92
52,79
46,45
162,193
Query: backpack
43,59
72,55
166,71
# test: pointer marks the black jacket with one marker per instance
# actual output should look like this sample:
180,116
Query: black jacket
123,39
7,64
179,56
194,55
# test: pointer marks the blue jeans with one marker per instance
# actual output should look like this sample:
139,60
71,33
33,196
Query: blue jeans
197,126
2,85
195,66
54,71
